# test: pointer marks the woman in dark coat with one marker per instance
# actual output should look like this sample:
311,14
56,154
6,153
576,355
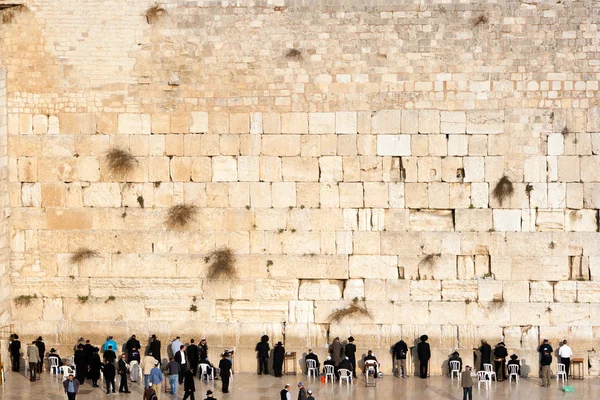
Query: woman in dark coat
424,354
278,356
95,365
262,349
188,384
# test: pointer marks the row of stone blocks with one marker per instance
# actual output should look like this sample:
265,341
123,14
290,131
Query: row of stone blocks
341,122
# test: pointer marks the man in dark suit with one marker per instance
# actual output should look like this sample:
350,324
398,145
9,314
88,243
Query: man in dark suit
42,351
130,345
15,352
81,364
315,358
154,348
181,359
424,354
192,355
350,351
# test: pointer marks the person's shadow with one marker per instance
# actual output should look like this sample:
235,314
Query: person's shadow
415,357
360,363
525,368
302,362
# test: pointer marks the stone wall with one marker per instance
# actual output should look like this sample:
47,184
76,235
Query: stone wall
340,152
5,319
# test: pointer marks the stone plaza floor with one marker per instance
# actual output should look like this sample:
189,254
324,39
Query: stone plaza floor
254,387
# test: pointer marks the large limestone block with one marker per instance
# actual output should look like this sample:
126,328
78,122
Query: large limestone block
515,291
590,169
488,314
438,267
224,169
386,121
320,290
485,121
429,220
302,267
102,195
447,312
299,169
453,122
394,145
587,292
384,267
330,168
490,290
346,122
271,289
581,221
294,123
425,290
252,311
284,145
570,314
473,220
541,291
135,124
321,122
198,122
507,220
429,121
549,220
530,314
301,312
459,290
565,291
429,169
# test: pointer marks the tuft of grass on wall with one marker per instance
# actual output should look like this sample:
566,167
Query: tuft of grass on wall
154,14
353,309
120,161
82,254
479,20
24,300
503,190
83,299
222,264
10,13
294,55
181,215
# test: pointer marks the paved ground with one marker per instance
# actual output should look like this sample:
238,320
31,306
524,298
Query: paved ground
253,387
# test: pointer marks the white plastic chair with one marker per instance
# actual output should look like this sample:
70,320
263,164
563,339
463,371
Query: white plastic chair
454,369
66,370
204,372
311,368
53,365
26,361
561,373
513,372
345,374
329,373
489,371
482,377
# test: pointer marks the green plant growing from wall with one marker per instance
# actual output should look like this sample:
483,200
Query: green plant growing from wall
503,190
193,308
222,264
83,299
24,300
355,308
181,215
83,254
120,161
140,200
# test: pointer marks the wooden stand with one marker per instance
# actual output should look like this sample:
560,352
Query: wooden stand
289,356
579,363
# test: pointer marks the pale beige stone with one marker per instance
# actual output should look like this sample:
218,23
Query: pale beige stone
321,123
198,122
385,267
224,169
346,122
429,121
386,121
294,123
429,220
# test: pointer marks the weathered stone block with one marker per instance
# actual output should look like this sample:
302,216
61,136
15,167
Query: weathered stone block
198,122
425,291
383,267
581,221
321,123
507,220
485,121
386,121
429,220
453,122
473,220
429,121
346,122
393,145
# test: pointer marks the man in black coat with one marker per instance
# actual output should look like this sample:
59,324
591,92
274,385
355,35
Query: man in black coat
345,364
262,352
189,387
15,353
109,355
285,393
130,345
154,348
109,376
400,352
226,370
500,354
81,364
486,353
192,356
181,358
455,357
350,351
545,346
202,350
88,349
371,359
123,374
424,354
315,358
42,351
278,357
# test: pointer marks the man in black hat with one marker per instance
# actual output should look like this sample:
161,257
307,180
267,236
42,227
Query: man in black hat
278,357
500,354
42,350
209,395
15,352
225,370
154,348
350,352
455,357
262,353
81,364
424,354
514,360
54,355
189,386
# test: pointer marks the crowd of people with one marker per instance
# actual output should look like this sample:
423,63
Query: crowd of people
188,361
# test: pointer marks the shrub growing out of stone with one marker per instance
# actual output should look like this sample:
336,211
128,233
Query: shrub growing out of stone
154,14
222,264
24,300
181,215
503,190
120,161
355,308
82,255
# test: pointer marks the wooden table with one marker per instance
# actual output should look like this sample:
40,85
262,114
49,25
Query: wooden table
289,356
579,363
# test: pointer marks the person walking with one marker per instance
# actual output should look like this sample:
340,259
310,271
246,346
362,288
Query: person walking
400,352
278,358
95,366
123,367
424,354
188,385
33,355
310,396
350,352
181,358
285,393
81,364
15,352
565,353
156,377
226,370
109,376
148,363
466,381
546,361
173,373
301,391
71,386
42,351
262,352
